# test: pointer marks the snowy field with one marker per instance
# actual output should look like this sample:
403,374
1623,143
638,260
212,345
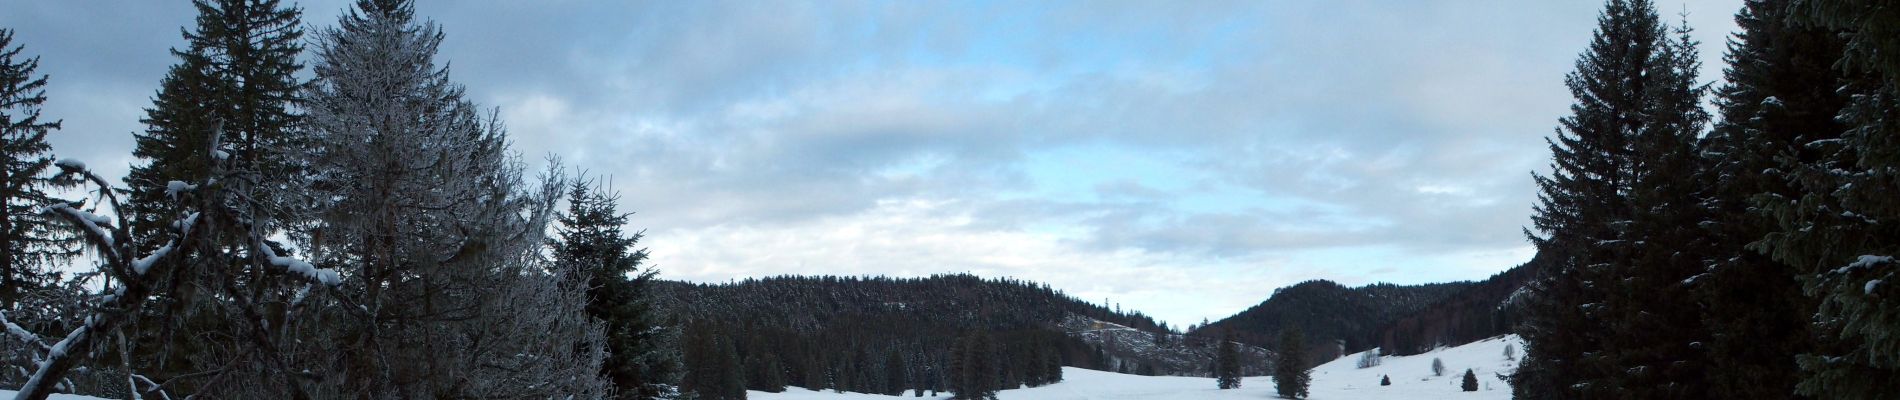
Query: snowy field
1340,379
1337,380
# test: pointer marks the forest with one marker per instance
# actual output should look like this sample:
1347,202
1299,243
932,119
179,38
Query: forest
1739,253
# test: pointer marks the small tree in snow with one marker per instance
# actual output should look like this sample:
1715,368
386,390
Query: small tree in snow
1369,359
1227,364
1385,380
1510,352
1471,381
1438,367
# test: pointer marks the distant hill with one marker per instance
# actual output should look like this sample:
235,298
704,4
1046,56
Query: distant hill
1330,315
850,333
1478,312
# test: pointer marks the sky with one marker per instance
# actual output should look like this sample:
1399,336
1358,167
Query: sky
1179,158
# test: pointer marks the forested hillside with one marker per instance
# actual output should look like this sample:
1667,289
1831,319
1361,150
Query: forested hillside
1332,315
1481,311
887,335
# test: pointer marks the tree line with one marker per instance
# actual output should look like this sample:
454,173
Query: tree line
956,333
1745,253
366,233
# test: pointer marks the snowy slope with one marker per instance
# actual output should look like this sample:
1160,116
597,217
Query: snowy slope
1411,379
1337,380
1179,355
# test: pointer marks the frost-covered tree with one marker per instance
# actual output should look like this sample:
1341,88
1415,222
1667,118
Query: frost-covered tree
643,363
436,233
1438,367
1369,358
31,243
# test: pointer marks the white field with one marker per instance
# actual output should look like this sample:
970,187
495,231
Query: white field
1340,379
1336,380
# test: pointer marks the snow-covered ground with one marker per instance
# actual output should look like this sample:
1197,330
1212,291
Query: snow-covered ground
8,394
1340,379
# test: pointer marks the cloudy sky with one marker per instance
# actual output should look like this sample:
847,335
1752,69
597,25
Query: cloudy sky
1179,158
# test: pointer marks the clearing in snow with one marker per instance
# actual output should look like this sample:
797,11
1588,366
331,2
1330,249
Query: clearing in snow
1338,379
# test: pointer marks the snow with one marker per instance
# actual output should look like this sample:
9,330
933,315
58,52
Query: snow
1339,379
1865,261
55,396
1871,285
141,265
173,188
70,164
325,276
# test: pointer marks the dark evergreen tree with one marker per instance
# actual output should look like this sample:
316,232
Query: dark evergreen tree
32,244
1586,222
894,372
1290,374
1842,232
1385,380
1227,364
766,373
1653,322
1780,95
718,375
234,85
237,72
1471,381
973,367
642,363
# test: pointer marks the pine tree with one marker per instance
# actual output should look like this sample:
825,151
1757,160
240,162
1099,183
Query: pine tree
1585,215
1651,314
1471,381
236,73
1780,96
1841,232
1385,380
1227,364
1290,374
893,373
973,367
32,244
641,365
234,87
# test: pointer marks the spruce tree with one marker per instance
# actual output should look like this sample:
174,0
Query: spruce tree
1227,364
1780,95
641,364
237,73
1585,220
1651,314
1290,374
893,373
1841,231
973,367
1471,381
32,244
